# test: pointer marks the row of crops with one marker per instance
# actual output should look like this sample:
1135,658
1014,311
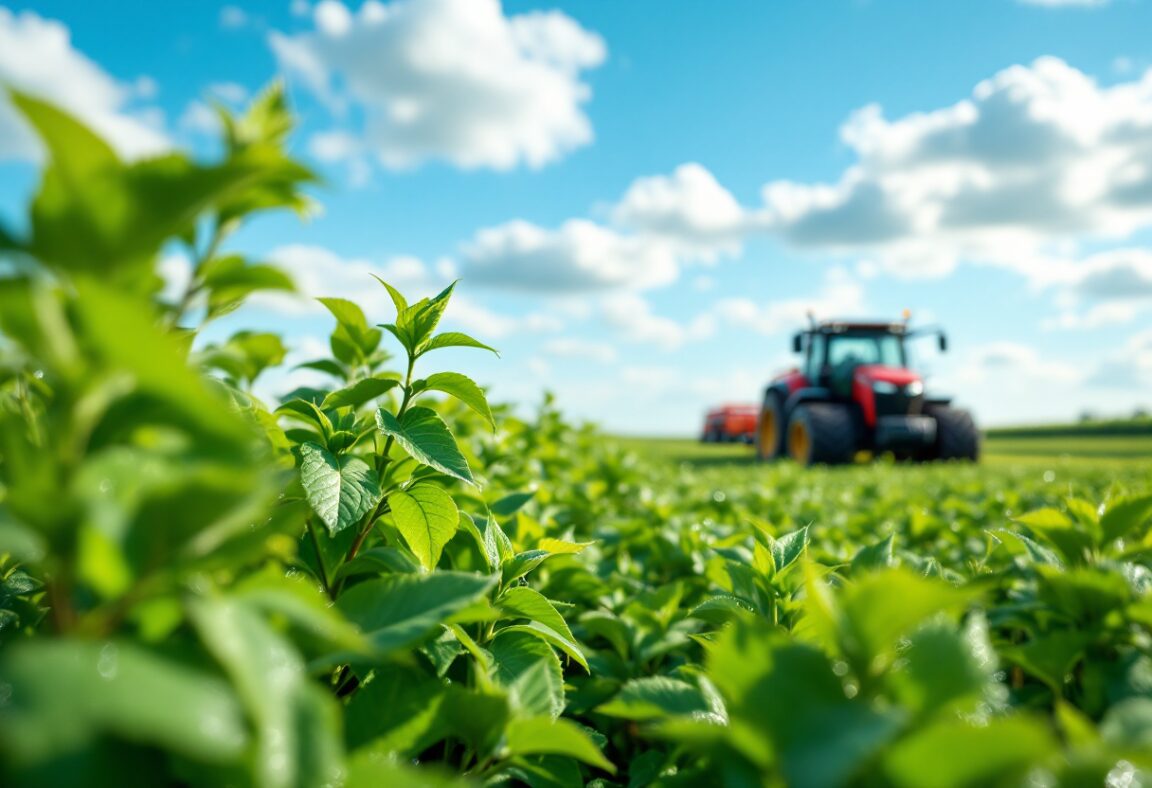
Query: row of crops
388,581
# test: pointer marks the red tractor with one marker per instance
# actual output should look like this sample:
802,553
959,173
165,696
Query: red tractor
855,392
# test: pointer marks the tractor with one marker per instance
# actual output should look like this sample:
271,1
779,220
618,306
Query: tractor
855,392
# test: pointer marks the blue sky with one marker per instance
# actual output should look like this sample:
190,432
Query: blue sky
643,199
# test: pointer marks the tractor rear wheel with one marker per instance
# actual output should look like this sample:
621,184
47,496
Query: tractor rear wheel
957,437
770,429
822,433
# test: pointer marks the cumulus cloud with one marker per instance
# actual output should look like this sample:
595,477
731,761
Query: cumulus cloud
688,209
452,80
1037,154
1130,367
37,57
632,317
579,256
1012,365
840,296
320,272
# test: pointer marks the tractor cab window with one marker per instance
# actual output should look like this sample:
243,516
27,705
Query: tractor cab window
851,350
813,366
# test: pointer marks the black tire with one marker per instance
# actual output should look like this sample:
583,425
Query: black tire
769,438
822,433
957,437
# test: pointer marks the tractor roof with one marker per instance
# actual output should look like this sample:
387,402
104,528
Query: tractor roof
871,326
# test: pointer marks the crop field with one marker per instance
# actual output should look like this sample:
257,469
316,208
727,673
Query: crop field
388,580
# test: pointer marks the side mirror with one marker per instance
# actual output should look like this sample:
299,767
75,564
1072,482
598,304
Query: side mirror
796,343
943,342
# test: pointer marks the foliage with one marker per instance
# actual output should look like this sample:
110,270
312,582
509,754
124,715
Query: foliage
389,581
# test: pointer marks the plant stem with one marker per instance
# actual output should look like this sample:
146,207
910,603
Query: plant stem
192,289
382,463
311,526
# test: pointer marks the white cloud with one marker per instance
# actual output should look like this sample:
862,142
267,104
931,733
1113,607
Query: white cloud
581,349
580,256
840,297
300,8
1038,154
233,17
1013,366
688,208
37,57
1129,367
453,80
231,92
320,272
199,118
632,317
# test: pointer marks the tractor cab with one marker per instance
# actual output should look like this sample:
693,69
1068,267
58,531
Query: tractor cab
855,390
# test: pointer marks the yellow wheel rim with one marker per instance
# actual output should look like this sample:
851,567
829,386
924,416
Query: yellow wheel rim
798,441
767,433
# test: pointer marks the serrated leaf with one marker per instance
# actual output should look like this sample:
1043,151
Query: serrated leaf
340,490
462,388
426,438
788,548
427,518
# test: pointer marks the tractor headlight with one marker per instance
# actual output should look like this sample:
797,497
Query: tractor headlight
884,387
914,389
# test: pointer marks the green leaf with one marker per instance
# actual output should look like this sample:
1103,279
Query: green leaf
531,671
412,722
654,697
873,557
943,668
398,300
460,387
401,610
787,693
511,503
269,676
1049,657
882,606
360,392
524,602
953,754
1125,515
427,518
549,635
788,548
543,736
63,695
426,438
352,341
341,490
454,339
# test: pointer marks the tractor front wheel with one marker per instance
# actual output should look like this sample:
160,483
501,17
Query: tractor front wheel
957,437
821,433
770,430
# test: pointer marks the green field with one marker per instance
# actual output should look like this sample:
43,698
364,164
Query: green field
997,449
386,580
